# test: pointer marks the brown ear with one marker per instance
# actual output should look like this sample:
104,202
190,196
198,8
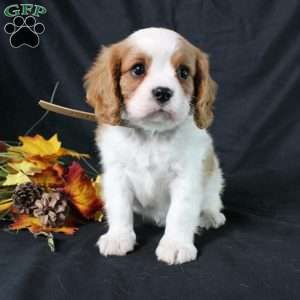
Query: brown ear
102,86
204,92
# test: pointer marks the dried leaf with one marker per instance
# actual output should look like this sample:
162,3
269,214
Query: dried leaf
51,243
97,184
38,146
25,167
59,169
68,230
3,173
51,177
50,239
43,162
5,205
6,193
99,216
34,225
3,146
68,152
26,222
81,191
14,179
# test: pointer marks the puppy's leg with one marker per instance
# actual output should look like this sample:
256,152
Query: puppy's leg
177,244
120,237
211,215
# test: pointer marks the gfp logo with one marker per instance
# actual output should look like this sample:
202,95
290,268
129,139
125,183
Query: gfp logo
24,30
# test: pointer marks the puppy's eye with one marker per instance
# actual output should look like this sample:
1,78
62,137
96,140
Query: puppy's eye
138,70
183,72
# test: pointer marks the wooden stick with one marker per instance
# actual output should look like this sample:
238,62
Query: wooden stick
73,113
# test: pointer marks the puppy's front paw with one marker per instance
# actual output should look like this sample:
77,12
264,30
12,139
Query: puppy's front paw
214,219
116,244
175,252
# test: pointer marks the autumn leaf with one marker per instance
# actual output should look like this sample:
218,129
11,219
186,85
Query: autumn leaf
98,188
3,173
3,147
35,226
6,192
50,239
5,205
26,167
97,184
38,145
42,162
99,216
14,179
51,177
68,152
25,221
59,169
81,191
65,229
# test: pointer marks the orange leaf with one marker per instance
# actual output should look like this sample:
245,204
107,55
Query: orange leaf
51,177
24,221
42,162
34,225
59,169
82,192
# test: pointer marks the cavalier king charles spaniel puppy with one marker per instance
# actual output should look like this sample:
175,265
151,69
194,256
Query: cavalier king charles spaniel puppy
153,95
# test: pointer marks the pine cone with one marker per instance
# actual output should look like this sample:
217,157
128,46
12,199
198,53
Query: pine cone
51,209
25,195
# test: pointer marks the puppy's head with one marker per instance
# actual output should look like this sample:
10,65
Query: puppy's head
154,79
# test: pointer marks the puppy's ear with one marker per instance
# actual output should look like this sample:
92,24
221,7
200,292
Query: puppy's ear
204,92
102,85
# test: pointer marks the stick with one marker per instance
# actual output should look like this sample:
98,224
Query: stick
73,113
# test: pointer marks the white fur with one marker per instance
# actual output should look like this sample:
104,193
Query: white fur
158,169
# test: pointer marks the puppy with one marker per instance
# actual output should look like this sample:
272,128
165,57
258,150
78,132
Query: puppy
162,164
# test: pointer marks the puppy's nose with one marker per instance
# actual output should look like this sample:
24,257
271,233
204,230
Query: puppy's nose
162,94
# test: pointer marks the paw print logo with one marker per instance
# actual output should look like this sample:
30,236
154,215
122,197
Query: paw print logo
24,31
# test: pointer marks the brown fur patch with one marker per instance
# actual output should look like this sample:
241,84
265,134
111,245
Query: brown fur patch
204,92
199,85
128,82
102,83
109,81
185,55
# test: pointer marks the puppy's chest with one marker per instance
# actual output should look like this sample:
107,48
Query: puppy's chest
150,170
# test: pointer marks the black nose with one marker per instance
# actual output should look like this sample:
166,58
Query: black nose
162,94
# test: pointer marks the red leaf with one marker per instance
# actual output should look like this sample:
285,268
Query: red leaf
82,191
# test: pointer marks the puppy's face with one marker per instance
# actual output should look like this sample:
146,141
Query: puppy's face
154,79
